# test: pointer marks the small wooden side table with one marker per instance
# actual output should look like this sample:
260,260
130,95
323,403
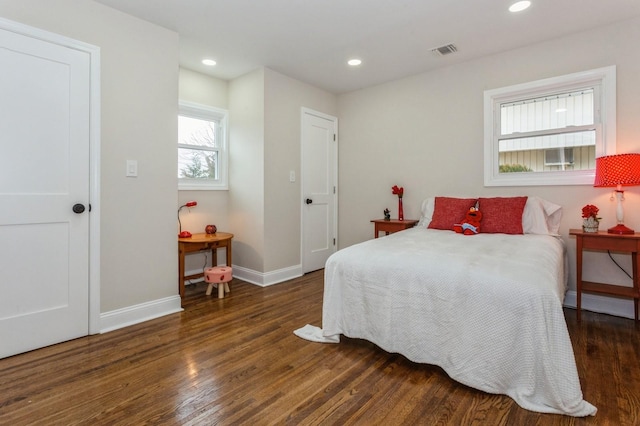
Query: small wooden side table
199,242
602,240
392,225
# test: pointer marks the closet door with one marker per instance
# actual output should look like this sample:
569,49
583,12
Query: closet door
44,191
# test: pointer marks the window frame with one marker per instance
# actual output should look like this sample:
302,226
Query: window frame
604,82
221,117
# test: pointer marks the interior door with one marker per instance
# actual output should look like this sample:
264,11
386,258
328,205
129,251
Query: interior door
319,188
44,172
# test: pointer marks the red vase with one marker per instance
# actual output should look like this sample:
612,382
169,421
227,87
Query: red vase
400,212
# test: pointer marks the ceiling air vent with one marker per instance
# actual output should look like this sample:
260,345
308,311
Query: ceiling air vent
444,50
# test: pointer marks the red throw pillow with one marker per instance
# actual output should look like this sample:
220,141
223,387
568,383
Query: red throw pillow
501,215
447,211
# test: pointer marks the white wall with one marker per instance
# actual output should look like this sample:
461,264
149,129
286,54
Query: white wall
284,98
203,89
213,206
139,89
246,169
264,207
426,133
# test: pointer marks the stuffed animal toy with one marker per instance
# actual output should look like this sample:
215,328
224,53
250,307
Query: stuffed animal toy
471,224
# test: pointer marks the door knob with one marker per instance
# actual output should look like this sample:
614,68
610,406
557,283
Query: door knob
78,208
308,201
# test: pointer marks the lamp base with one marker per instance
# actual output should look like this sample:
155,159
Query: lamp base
620,229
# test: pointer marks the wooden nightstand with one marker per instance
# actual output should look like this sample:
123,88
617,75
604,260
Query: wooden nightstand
604,241
392,225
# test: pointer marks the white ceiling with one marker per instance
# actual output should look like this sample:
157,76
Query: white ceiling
311,40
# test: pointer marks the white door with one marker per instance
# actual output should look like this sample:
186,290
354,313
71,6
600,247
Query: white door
319,188
44,172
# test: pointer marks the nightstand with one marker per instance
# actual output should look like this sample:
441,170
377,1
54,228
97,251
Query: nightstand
604,241
392,225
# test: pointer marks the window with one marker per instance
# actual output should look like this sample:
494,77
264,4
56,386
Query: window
549,132
202,147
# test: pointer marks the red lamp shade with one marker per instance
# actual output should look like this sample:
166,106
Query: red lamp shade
618,170
191,203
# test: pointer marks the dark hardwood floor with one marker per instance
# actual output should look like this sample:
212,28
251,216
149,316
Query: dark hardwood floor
236,361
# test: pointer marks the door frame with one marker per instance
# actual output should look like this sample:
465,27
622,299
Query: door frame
303,111
94,155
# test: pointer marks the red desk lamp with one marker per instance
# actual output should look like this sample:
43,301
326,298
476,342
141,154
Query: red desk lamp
189,204
618,170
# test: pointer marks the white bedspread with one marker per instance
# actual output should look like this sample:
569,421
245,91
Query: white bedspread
486,308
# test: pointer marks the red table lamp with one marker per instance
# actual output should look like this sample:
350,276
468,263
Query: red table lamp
189,204
616,171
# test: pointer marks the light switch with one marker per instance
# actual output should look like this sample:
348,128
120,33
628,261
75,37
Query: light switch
292,176
132,168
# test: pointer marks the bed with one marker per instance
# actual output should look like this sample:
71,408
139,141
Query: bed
487,308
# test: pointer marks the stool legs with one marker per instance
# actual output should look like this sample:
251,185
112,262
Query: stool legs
222,289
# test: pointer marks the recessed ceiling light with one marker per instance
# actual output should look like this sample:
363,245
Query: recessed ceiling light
209,62
354,62
519,6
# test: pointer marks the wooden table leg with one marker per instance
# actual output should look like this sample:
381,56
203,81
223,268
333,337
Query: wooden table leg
579,276
181,270
636,283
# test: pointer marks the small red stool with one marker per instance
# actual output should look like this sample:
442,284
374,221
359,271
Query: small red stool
220,277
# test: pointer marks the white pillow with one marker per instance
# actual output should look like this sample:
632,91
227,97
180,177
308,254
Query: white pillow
426,212
541,217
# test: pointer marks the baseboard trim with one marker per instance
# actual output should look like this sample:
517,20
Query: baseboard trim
136,314
262,279
120,318
619,307
265,279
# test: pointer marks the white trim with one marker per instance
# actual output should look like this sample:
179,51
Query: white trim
265,279
206,112
94,155
136,314
619,307
94,195
604,77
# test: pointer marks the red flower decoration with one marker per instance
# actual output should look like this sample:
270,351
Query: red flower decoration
590,211
399,191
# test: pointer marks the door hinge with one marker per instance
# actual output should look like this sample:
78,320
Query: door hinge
334,241
334,189
334,137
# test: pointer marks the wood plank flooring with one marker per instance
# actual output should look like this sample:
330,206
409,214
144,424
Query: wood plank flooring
236,361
